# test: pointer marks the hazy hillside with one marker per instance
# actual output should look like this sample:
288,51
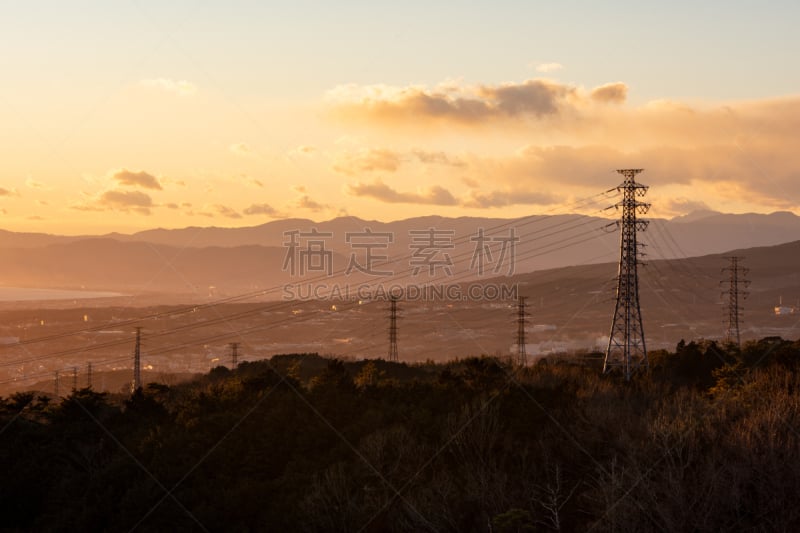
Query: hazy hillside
679,298
698,233
190,260
103,263
569,309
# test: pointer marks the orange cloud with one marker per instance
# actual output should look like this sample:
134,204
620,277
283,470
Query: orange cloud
212,211
367,160
306,202
760,174
683,206
261,209
531,99
437,158
126,201
743,152
225,211
615,93
378,190
438,195
136,179
118,200
510,197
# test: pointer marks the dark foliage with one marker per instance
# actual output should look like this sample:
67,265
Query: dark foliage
707,441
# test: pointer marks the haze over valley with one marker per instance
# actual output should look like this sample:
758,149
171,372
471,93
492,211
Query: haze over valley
200,298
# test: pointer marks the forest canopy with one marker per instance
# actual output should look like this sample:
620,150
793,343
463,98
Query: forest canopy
707,440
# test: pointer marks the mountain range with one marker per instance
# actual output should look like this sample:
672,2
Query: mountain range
219,261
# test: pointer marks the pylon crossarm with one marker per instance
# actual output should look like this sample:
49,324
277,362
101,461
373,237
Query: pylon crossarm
626,345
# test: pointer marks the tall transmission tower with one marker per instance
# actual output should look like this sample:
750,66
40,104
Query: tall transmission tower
626,345
55,385
74,378
89,375
522,356
393,356
137,361
736,280
234,355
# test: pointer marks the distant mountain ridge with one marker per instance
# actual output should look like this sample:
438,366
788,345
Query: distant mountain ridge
726,231
271,233
192,259
679,298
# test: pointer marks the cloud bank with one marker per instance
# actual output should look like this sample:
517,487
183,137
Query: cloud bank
530,99
136,179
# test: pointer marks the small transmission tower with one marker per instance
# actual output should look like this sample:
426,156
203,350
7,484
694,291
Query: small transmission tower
89,375
393,329
626,345
522,356
736,279
234,355
55,385
137,361
74,378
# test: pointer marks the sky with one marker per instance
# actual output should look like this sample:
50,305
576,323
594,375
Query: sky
129,115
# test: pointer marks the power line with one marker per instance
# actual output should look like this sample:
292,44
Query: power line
546,249
626,344
240,332
736,279
541,251
532,253
522,221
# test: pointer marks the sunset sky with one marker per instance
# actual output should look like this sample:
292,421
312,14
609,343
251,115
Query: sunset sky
128,115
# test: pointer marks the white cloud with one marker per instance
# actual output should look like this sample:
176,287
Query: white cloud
549,67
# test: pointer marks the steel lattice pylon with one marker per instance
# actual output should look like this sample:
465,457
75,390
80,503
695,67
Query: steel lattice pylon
522,356
626,345
393,355
137,362
734,314
234,354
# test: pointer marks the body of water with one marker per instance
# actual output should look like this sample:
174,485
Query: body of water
20,294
